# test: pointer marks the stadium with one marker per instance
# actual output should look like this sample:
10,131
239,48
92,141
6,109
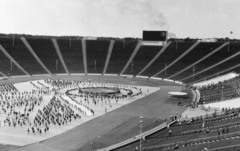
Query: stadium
94,93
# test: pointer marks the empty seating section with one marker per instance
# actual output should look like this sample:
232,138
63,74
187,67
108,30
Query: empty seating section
197,53
181,48
223,66
168,56
219,68
5,63
159,63
46,52
121,53
215,58
72,54
221,91
144,55
23,56
96,55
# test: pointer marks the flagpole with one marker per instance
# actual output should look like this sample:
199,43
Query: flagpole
56,64
13,40
95,62
176,44
132,67
165,68
11,65
193,71
228,44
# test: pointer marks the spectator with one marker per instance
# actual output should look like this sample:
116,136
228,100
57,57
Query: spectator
205,148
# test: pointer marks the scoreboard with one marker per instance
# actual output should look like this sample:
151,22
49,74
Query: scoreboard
154,35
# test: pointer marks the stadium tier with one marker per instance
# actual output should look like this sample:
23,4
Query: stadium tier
19,52
189,59
72,54
189,133
185,61
46,52
7,67
167,57
144,55
96,52
214,59
122,50
221,91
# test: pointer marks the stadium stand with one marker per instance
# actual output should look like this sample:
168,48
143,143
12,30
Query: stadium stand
47,54
224,65
22,55
6,66
72,54
143,56
96,55
213,131
121,52
197,53
221,91
170,54
215,58
193,132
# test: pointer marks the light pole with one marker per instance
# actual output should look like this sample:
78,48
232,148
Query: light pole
222,92
193,71
141,126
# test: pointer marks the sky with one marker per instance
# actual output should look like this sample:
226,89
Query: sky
121,18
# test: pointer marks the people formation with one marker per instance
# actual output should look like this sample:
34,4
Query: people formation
25,108
54,113
95,98
17,106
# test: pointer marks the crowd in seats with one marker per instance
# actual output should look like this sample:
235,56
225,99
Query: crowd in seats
216,125
195,125
225,90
